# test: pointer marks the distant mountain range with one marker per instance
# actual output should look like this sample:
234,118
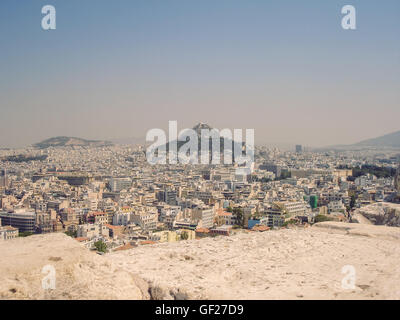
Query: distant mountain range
391,140
388,140
70,141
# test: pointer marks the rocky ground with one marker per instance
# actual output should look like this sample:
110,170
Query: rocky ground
282,264
79,273
381,213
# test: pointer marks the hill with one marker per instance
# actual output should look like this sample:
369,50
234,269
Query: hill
296,263
198,129
70,141
387,140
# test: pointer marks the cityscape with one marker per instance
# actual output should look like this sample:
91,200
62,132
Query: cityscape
285,184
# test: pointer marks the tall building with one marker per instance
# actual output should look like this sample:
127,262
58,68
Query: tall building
397,180
168,196
271,167
299,148
24,221
3,178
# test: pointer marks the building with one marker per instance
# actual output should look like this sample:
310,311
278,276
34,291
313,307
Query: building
118,184
291,208
8,232
221,230
206,215
313,201
24,221
271,167
397,180
91,231
147,221
168,196
164,236
299,148
336,206
225,218
121,219
3,178
97,217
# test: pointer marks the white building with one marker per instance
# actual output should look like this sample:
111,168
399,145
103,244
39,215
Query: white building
92,231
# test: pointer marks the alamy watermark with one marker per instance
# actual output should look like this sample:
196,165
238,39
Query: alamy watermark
349,280
204,146
49,280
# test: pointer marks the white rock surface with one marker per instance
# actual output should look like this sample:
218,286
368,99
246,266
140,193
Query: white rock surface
381,213
281,264
284,264
79,273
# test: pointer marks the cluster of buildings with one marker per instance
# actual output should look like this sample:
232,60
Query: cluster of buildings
112,194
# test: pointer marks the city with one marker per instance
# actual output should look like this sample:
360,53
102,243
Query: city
199,158
110,198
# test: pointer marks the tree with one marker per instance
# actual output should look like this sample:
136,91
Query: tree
238,212
72,234
321,218
100,246
25,234
352,201
184,235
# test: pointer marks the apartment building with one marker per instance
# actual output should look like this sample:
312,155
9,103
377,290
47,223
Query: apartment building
205,215
91,231
147,221
23,221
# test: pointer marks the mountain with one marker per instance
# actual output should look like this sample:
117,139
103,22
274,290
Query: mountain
130,141
70,141
197,128
388,140
391,140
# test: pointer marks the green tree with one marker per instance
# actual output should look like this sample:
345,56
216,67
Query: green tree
100,246
184,235
321,218
72,234
353,201
238,213
25,234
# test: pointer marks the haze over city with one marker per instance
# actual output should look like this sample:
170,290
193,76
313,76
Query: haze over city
285,68
217,151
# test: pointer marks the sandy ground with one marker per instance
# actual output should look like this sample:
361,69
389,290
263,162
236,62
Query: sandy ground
284,264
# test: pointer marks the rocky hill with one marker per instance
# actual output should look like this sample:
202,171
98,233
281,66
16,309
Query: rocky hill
282,264
70,141
384,213
79,273
388,140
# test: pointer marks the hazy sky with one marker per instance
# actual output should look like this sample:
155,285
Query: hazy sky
114,69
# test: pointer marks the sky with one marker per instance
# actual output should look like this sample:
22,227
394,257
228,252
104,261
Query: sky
116,69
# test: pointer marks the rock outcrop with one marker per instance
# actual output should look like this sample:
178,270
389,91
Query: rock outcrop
28,264
303,263
383,213
279,264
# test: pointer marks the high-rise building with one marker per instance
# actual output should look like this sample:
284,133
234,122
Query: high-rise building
299,148
3,178
313,201
397,180
271,167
